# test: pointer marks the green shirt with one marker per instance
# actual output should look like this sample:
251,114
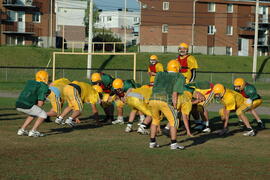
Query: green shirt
200,85
129,84
107,80
33,91
165,84
250,92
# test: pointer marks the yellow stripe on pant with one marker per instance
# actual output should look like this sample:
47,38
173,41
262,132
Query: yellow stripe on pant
139,105
55,102
73,98
157,106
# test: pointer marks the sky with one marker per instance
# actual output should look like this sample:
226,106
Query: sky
116,4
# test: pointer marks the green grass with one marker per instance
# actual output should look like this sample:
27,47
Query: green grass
88,152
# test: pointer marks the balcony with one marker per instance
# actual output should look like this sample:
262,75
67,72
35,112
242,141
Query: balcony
21,4
24,28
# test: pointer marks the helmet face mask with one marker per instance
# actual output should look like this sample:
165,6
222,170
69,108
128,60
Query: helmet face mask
182,51
218,97
237,88
152,61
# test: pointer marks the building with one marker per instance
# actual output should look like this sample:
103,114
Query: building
221,27
27,22
70,15
115,22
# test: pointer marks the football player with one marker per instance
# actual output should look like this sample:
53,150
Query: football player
188,63
164,98
232,101
249,91
153,68
30,102
76,94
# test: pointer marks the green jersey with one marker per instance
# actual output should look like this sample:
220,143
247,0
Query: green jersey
250,92
129,84
165,84
107,80
33,91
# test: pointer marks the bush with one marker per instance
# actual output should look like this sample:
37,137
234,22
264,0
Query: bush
108,37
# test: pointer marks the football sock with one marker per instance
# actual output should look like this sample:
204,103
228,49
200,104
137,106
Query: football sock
152,139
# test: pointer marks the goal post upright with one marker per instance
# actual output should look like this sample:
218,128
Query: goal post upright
94,53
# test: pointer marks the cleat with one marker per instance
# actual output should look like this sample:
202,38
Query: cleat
22,132
176,146
142,130
153,145
118,121
260,125
70,123
206,130
128,129
59,121
33,133
249,133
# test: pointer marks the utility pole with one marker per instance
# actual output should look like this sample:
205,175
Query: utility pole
254,67
51,24
125,25
193,25
90,36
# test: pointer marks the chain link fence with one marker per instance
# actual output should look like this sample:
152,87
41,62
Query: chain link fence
22,74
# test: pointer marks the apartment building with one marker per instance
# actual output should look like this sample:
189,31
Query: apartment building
221,27
70,15
115,21
27,22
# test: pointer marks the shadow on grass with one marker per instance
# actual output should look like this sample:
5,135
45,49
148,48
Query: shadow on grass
262,67
105,63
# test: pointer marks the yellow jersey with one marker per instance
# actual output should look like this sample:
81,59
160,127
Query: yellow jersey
158,67
232,100
88,93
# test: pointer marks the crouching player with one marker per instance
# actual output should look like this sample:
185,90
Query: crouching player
138,100
30,102
249,91
120,88
76,94
164,99
56,96
232,101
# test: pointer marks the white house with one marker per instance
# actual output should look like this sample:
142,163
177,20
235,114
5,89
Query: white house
116,20
70,15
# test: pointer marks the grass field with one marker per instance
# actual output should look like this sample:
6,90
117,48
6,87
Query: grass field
90,152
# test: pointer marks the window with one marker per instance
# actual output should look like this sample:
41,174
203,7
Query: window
36,17
229,8
165,28
228,51
109,18
229,30
136,19
12,16
211,7
210,50
166,6
211,29
15,40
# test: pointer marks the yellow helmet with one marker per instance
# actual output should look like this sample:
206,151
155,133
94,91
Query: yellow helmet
95,77
42,76
183,45
173,66
240,82
98,88
219,89
118,83
154,57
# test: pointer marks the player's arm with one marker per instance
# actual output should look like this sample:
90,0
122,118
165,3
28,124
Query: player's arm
175,99
193,75
226,118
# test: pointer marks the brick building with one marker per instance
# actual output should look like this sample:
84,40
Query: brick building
224,27
27,22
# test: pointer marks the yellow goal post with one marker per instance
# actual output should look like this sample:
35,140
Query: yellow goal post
94,53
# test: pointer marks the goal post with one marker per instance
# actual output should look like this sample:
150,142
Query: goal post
94,53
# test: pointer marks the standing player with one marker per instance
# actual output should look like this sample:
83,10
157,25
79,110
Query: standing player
232,101
249,91
164,99
153,68
30,102
188,63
